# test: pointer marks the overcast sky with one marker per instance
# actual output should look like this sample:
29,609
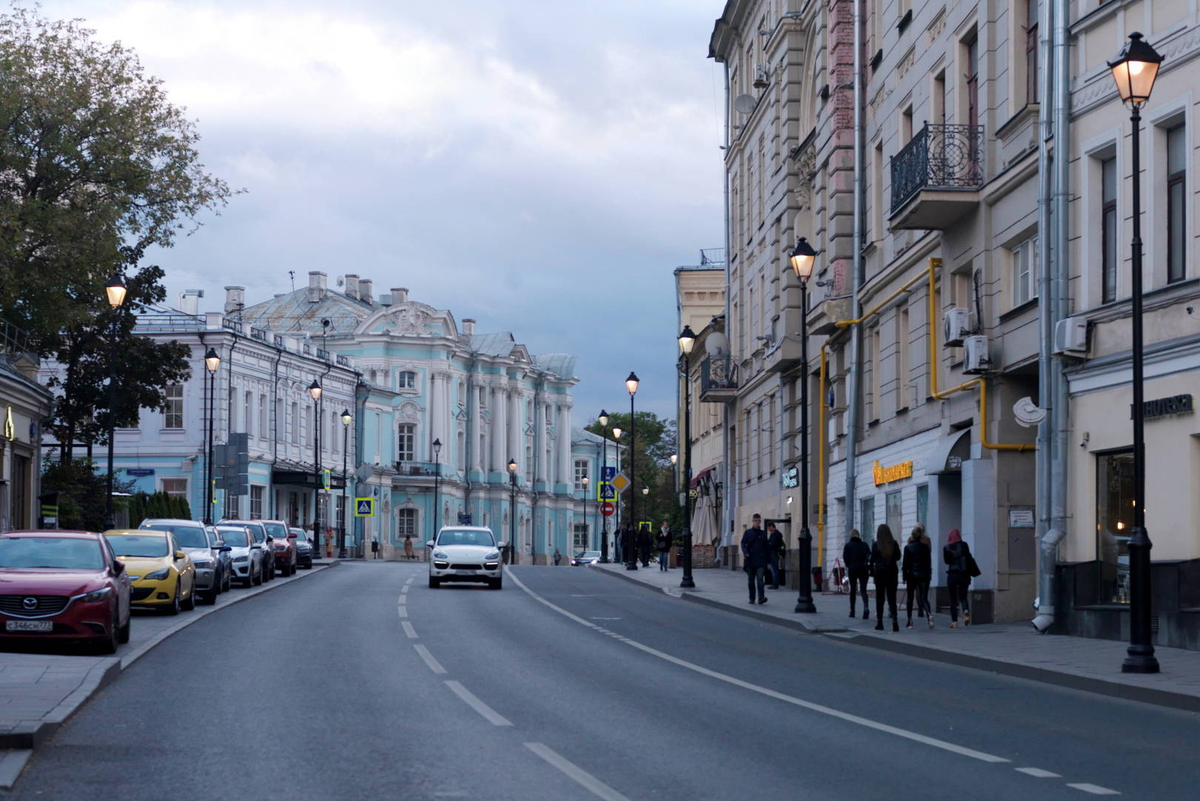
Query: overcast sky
539,165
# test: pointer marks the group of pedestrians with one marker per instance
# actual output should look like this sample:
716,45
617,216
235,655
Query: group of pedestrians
762,551
632,546
887,564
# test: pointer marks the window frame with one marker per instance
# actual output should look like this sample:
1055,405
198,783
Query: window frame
405,516
406,379
1176,185
406,442
1108,232
173,407
1024,263
1031,51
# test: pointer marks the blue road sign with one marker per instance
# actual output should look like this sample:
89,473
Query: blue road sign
607,492
608,473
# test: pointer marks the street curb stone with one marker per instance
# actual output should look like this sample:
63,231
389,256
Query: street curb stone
1180,701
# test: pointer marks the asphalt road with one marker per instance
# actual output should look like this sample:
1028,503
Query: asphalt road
349,686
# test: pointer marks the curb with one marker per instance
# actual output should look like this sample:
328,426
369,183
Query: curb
1126,692
30,735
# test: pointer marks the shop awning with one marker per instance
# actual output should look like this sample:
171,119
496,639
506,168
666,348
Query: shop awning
949,453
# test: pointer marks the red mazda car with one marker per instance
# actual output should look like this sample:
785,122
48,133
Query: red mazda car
63,585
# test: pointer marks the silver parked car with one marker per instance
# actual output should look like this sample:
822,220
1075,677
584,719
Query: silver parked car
263,537
200,543
247,554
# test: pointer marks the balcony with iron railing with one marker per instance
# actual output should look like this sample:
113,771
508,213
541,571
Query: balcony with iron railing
718,380
937,176
416,469
14,342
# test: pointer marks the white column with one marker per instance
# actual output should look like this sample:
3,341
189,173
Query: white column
436,413
566,468
499,429
515,429
475,418
539,436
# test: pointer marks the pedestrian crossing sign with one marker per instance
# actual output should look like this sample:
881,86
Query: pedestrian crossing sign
364,507
605,492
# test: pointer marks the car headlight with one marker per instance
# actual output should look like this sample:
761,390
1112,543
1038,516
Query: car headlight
441,565
242,559
158,575
95,595
203,564
493,555
440,555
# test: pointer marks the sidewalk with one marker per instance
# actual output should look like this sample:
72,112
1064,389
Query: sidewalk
1014,649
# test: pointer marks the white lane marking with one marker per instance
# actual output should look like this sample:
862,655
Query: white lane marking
1038,773
606,618
403,599
578,774
434,665
402,611
404,590
1094,789
745,685
409,631
492,716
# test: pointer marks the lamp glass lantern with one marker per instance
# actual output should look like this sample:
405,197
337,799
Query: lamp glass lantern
617,432
603,419
212,360
631,383
115,289
687,340
1134,70
512,467
584,480
437,446
674,458
645,490
314,389
802,259
346,418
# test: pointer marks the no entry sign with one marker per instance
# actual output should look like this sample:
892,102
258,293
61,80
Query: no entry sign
607,509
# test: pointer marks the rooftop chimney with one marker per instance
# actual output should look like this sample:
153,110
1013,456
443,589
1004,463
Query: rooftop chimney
399,294
316,286
189,301
468,327
235,299
352,286
364,290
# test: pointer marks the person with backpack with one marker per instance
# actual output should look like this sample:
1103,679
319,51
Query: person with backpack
662,544
885,566
643,544
918,570
776,547
960,567
856,556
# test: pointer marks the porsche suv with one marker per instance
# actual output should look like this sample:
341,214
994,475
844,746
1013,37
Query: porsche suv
466,553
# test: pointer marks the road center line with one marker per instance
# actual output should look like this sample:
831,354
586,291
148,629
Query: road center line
1094,789
1038,773
490,715
434,665
409,631
402,599
576,773
745,685
402,611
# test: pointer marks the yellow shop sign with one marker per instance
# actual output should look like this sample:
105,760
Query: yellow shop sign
886,475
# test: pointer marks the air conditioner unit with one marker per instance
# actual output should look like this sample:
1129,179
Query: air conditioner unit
976,359
761,79
957,326
1070,337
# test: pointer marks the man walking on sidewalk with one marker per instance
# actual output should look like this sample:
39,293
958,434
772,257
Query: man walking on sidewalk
775,545
856,556
756,552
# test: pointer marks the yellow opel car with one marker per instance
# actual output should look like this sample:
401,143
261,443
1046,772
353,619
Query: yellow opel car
163,576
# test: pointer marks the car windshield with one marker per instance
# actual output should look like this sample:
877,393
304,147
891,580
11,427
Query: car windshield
468,537
148,545
589,555
186,536
66,553
277,530
235,537
300,533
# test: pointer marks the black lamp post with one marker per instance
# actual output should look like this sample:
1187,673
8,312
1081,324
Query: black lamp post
687,340
212,363
603,421
631,384
115,289
437,487
346,418
586,528
314,389
802,260
1134,70
617,432
512,511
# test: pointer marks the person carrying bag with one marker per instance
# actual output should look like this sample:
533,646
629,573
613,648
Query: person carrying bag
960,569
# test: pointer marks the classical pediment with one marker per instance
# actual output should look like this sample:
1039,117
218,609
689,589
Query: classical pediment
408,320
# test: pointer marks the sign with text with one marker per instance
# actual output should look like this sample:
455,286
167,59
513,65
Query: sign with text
791,478
886,475
1165,407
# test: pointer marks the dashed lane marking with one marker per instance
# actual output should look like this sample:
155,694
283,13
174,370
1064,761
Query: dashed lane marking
1094,789
490,715
745,685
576,773
1038,773
434,665
402,611
402,599
409,631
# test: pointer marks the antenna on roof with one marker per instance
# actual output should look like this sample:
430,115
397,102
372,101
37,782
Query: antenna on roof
292,275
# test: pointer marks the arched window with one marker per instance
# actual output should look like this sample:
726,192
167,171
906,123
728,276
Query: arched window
408,380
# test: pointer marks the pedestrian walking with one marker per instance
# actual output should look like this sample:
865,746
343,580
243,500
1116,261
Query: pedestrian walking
885,566
662,544
408,547
756,552
619,539
918,570
856,556
960,567
776,547
557,557
643,544
374,549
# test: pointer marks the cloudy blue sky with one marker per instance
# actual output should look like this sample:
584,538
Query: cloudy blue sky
539,165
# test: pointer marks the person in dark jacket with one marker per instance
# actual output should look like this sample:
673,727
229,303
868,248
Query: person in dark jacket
918,570
643,544
756,552
623,545
957,555
885,566
856,556
662,544
776,547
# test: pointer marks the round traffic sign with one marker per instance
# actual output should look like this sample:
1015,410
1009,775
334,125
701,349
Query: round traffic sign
608,509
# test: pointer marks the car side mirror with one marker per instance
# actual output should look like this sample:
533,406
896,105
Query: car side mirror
503,544
256,546
225,548
118,566
270,538
180,555
429,543
291,536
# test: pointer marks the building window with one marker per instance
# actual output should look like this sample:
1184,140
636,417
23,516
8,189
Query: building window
262,417
529,460
232,506
1024,263
256,502
175,487
923,505
406,442
406,523
173,409
248,420
1031,51
1114,520
580,538
894,505
1108,230
867,520
304,427
581,470
1176,203
408,380
340,502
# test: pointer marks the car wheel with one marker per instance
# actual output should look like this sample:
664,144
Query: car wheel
434,583
173,609
108,643
256,580
228,581
190,603
123,631
495,584
210,598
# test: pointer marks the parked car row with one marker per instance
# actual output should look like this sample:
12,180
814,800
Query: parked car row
83,586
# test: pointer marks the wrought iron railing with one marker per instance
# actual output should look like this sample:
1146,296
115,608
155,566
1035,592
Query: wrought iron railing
938,157
343,361
718,372
428,469
14,341
258,333
232,325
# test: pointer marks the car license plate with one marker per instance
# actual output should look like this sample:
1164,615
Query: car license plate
464,572
29,625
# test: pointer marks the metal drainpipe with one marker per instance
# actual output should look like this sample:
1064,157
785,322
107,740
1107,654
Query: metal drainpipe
854,388
728,504
275,429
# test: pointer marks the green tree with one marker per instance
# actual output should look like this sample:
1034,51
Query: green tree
80,493
654,442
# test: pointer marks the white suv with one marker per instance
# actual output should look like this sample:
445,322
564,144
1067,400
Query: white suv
466,553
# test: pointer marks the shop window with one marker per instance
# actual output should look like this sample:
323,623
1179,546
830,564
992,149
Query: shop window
923,505
1114,520
867,520
895,514
580,537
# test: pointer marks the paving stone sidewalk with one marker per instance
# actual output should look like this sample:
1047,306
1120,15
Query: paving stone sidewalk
1012,648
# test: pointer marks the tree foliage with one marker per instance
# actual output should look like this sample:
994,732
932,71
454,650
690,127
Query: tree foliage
143,506
654,440
80,493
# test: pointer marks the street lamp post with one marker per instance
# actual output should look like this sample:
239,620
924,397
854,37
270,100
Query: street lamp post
346,418
314,389
1134,70
212,362
115,289
603,421
586,528
802,260
437,486
631,384
512,510
617,432
687,339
